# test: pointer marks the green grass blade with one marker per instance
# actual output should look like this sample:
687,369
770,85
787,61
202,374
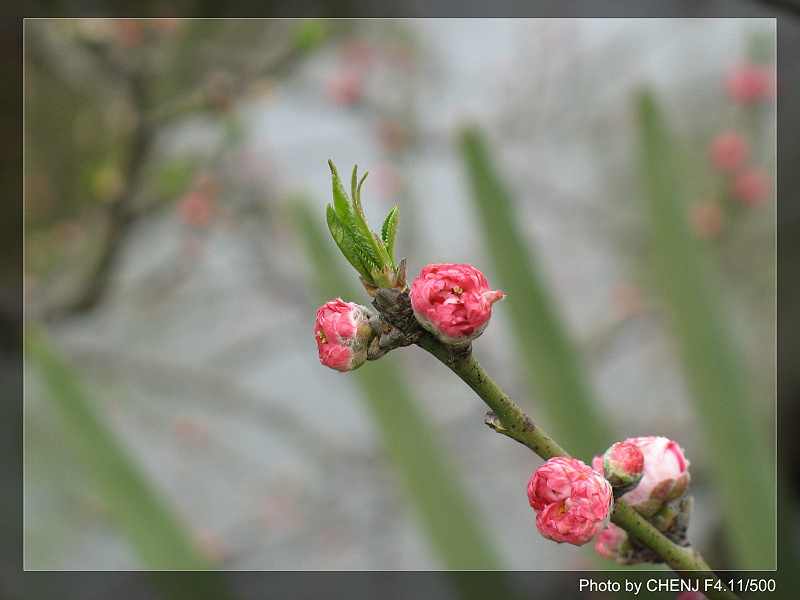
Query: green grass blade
555,373
743,463
441,500
142,515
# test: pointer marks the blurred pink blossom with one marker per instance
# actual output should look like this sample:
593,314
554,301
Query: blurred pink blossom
728,151
129,32
627,301
391,135
752,187
344,87
706,218
357,53
691,595
750,82
196,209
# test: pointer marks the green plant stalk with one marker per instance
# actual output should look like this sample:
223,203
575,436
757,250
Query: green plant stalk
551,363
440,498
159,538
715,371
514,423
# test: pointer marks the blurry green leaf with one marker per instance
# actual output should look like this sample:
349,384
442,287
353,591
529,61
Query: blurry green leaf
740,456
141,514
173,176
554,371
310,34
104,180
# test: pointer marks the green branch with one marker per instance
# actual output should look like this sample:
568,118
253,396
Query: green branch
509,419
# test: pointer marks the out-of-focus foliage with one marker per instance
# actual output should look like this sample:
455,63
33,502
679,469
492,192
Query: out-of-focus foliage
164,260
102,95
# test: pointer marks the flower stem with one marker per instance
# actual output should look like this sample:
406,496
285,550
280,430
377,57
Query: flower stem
510,420
685,560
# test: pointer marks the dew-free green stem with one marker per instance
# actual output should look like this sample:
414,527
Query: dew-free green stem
514,423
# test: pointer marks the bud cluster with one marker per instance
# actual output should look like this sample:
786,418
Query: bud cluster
451,301
651,474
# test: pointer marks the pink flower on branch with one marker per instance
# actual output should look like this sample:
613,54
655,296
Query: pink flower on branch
343,334
622,465
691,595
612,542
453,302
572,502
666,474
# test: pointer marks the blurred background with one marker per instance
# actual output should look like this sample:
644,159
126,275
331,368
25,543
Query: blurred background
176,414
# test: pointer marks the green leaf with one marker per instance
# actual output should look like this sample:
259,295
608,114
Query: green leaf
309,34
374,241
341,203
355,238
348,244
389,231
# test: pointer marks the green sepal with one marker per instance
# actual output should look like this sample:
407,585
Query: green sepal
389,231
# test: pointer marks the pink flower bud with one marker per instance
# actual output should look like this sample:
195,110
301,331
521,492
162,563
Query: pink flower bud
344,87
691,595
706,219
572,502
728,151
622,465
751,82
666,476
453,302
343,334
196,209
752,187
612,542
